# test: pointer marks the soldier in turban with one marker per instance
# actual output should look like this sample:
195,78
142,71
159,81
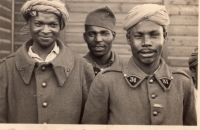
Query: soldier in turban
144,90
44,81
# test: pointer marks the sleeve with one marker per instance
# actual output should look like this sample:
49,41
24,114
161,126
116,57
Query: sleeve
96,108
189,108
3,99
88,78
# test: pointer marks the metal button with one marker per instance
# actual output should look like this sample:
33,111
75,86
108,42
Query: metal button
44,84
151,81
44,104
43,68
153,96
68,70
155,113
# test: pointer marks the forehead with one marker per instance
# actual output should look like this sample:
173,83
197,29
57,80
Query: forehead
46,17
146,26
95,28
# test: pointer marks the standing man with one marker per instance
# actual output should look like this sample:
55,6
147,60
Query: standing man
43,81
99,35
144,90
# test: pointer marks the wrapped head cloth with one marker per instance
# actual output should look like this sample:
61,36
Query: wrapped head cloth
152,12
193,60
31,7
102,17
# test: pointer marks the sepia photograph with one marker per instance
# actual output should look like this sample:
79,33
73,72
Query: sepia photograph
99,64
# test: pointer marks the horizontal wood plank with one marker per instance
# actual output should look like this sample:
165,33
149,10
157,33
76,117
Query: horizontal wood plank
5,24
183,20
5,46
183,9
180,51
6,3
184,2
178,61
182,41
5,35
6,12
175,30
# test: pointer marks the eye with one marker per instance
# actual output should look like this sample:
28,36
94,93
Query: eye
154,35
137,36
38,24
105,33
53,25
91,34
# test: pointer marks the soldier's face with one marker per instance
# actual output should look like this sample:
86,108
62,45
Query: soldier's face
146,40
45,28
99,40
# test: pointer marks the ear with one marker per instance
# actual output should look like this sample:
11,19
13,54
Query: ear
84,37
165,35
128,38
114,35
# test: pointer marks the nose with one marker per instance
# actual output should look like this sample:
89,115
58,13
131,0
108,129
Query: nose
146,41
98,38
46,29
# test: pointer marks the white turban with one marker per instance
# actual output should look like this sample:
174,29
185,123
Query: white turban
152,12
52,6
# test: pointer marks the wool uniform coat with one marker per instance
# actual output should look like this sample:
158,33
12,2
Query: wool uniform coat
114,61
32,92
126,95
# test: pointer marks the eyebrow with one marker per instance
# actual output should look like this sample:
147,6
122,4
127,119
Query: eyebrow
152,31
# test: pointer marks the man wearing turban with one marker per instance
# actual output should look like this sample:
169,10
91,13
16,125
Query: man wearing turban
144,90
193,66
43,81
99,35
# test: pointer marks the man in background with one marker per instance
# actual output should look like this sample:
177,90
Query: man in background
43,81
99,35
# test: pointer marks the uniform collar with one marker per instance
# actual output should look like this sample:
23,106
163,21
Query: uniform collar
62,68
134,75
90,60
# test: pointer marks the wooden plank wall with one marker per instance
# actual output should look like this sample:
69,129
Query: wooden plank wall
182,32
5,27
19,23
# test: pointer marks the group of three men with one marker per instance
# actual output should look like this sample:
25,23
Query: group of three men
44,82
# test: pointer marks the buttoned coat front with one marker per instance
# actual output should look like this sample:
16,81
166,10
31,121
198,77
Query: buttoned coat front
32,92
126,95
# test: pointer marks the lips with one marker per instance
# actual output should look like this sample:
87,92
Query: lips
98,48
147,53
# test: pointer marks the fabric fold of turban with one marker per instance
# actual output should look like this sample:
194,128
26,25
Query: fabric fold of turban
52,6
193,60
152,12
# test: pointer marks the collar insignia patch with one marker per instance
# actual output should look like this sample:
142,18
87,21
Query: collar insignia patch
133,80
166,82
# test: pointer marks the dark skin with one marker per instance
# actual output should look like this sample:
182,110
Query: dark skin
99,41
146,40
45,29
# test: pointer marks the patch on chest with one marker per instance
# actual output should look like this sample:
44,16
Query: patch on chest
132,79
166,82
